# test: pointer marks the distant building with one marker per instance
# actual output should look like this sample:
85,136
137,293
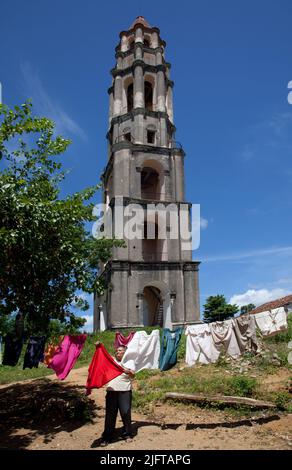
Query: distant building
285,302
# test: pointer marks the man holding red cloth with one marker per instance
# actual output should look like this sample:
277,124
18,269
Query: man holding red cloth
105,369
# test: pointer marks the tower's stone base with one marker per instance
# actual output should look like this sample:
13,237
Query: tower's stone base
127,304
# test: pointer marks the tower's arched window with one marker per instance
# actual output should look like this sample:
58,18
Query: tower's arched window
131,43
130,102
148,91
146,42
150,188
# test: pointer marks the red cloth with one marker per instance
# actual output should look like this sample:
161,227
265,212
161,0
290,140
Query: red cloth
121,340
102,369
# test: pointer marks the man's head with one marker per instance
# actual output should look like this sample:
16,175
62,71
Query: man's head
120,351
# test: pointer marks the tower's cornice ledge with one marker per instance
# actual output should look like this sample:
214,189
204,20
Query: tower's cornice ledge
144,202
147,149
145,112
127,265
115,72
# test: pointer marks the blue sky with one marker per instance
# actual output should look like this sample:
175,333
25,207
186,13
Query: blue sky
231,64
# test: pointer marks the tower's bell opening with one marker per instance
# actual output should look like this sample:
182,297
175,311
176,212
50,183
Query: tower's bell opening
150,183
152,245
130,97
152,307
148,92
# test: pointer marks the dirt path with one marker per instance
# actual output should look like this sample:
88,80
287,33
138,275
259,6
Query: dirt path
168,427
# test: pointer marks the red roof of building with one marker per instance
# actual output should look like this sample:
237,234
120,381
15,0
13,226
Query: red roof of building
273,304
141,20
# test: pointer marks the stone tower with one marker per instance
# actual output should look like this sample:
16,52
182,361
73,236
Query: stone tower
151,281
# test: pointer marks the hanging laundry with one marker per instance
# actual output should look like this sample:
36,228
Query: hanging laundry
103,368
144,350
67,354
121,340
223,335
34,351
271,322
245,332
50,351
12,350
200,346
169,346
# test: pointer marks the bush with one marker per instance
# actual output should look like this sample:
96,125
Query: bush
243,386
283,401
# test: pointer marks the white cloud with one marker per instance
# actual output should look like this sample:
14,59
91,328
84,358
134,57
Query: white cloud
45,105
203,223
89,323
284,250
258,297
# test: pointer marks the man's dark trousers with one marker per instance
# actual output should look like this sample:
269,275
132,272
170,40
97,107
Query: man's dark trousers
114,402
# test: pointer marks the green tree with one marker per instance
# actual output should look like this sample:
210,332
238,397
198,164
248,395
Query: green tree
7,324
247,308
216,309
46,254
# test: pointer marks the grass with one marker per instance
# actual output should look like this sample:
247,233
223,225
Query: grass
283,401
193,380
15,374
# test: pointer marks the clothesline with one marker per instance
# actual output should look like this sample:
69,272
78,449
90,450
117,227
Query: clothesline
204,343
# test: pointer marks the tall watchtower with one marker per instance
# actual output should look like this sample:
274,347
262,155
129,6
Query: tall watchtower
152,281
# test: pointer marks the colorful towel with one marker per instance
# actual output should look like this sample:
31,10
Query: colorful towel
121,340
67,355
50,351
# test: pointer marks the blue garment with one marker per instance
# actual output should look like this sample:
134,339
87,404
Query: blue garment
169,346
12,350
34,351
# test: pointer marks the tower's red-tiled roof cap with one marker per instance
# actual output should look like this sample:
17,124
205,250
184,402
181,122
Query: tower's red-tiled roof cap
141,20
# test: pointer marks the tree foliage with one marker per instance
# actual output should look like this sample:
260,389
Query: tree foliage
247,308
216,309
46,254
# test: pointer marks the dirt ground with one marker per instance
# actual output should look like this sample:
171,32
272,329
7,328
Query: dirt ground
168,427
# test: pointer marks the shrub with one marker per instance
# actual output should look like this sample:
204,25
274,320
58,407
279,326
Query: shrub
243,386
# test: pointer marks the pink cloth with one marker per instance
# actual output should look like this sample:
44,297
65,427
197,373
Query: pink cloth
67,354
121,340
